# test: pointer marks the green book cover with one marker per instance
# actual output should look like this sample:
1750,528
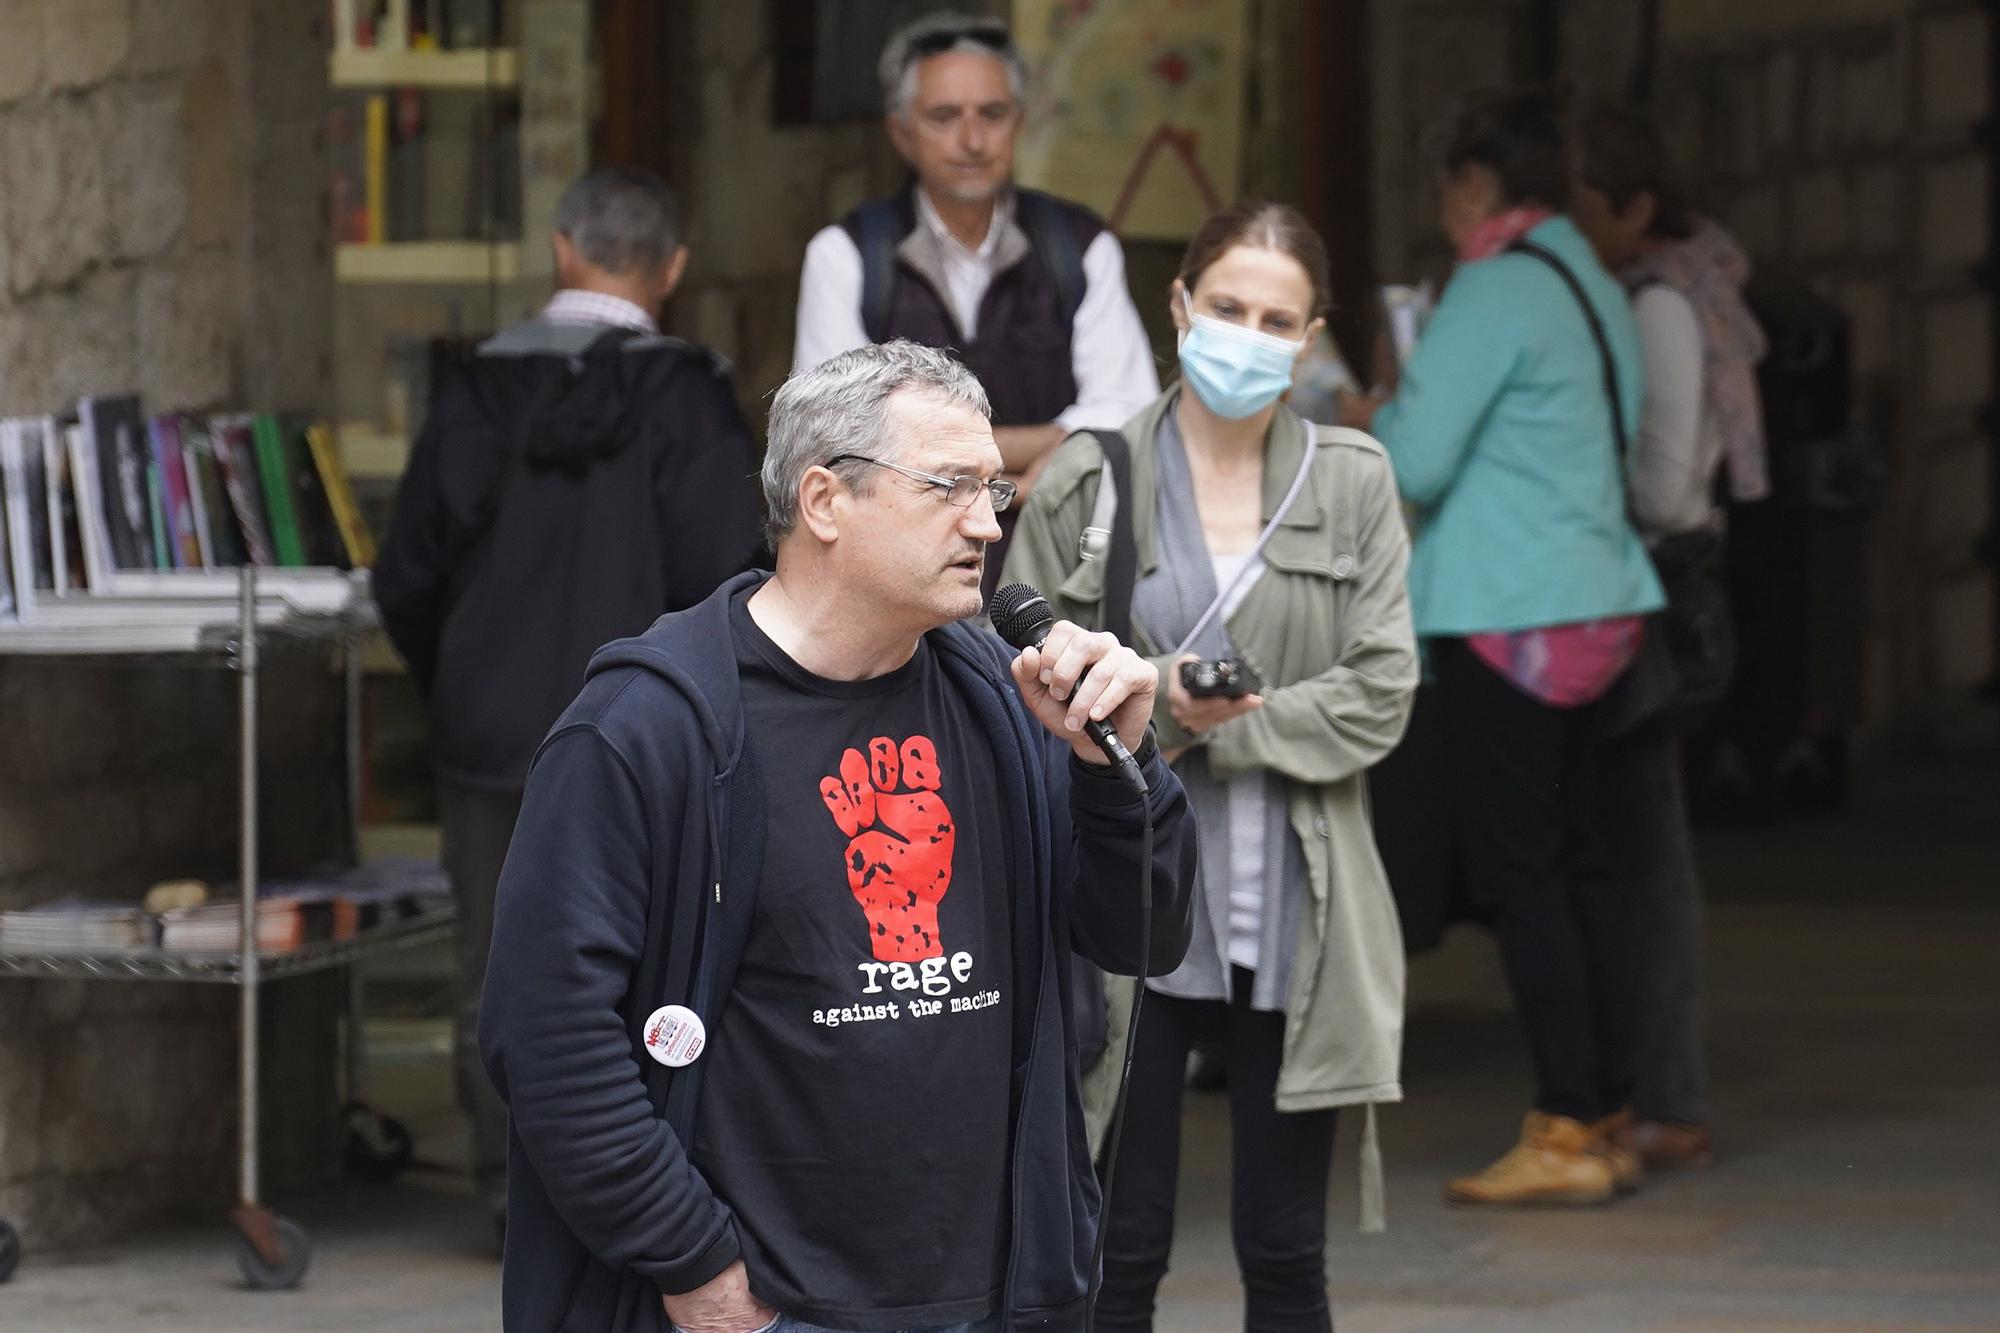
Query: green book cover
161,560
274,470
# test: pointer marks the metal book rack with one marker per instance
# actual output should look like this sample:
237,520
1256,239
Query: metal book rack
188,622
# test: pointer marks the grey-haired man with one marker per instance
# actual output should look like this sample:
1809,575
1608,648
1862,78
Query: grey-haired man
787,925
577,478
1026,289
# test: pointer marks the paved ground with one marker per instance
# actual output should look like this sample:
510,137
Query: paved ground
1855,1017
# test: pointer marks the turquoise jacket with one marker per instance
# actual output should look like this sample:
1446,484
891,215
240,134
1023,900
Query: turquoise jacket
1504,447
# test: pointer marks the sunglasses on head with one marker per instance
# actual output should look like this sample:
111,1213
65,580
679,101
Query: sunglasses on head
993,36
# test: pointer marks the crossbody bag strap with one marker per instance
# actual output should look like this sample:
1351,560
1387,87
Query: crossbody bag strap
1263,540
1554,261
1121,554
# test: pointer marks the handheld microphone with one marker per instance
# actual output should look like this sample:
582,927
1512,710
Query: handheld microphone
1023,617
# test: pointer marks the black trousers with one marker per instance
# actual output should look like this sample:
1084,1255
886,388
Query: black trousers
477,827
1279,1165
1535,869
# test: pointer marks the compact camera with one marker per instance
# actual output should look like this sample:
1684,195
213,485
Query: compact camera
1222,678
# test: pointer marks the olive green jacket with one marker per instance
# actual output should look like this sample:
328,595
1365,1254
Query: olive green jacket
1327,628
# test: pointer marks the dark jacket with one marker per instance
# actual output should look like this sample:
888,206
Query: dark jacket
571,484
1022,354
631,883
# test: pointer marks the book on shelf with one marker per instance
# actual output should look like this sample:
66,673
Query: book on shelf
86,550
417,25
405,176
236,458
215,518
117,432
312,510
375,166
23,474
347,166
183,543
357,542
274,469
12,593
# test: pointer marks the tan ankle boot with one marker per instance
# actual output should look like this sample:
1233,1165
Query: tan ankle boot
1616,1145
1555,1162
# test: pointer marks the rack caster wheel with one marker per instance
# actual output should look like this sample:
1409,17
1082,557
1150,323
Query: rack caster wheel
10,1250
373,1147
272,1252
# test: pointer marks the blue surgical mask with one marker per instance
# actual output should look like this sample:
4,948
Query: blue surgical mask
1236,372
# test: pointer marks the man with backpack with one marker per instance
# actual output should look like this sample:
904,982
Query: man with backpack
1026,289
577,477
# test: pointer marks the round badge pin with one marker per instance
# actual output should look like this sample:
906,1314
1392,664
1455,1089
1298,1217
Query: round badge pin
675,1036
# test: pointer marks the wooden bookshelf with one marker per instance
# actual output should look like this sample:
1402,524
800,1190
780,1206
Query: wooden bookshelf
375,67
429,261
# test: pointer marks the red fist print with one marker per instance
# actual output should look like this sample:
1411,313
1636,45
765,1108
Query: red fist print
899,843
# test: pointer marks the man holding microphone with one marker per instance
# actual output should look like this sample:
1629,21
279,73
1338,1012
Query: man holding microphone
781,960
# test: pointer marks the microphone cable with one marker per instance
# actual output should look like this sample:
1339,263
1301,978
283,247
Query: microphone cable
1117,1129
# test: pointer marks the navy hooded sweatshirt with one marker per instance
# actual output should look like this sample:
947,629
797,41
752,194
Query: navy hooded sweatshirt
631,883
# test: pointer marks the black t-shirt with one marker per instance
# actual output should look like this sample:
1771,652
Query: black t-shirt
855,1114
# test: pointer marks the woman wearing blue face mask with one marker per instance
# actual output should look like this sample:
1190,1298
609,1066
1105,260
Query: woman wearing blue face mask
1260,540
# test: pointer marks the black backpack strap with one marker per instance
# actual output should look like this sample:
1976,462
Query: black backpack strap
1053,241
877,229
1554,261
1121,560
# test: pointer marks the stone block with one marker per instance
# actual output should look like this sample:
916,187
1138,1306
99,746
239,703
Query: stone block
213,159
1872,313
55,183
145,152
1953,339
86,40
24,359
1951,55
1956,491
21,52
715,321
1871,96
89,330
845,188
1962,632
1757,217
170,34
1781,100
1952,210
1881,203
1819,215
188,316
1820,100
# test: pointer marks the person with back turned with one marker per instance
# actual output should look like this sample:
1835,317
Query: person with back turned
787,924
577,478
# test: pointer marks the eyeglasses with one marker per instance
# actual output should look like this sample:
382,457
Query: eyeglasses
961,492
992,36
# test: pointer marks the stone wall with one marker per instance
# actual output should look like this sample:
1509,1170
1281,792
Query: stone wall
1840,149
161,229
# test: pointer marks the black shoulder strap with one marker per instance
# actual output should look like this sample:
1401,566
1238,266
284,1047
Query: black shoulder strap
876,229
1554,261
1121,561
1053,240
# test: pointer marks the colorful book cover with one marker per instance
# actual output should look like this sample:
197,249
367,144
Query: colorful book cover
319,535
176,497
355,539
117,431
156,510
236,458
274,470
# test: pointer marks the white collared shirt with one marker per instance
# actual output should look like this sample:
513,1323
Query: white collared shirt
572,305
1110,357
